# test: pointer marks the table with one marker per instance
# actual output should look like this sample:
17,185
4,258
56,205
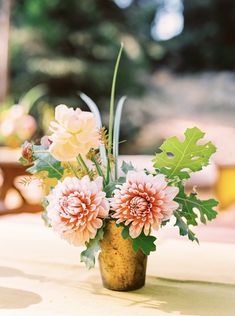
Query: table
40,274
11,169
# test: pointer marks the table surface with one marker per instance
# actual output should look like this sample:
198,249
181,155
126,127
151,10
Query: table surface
40,274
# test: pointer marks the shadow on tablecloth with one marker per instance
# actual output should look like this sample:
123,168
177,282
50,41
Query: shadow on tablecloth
159,294
186,297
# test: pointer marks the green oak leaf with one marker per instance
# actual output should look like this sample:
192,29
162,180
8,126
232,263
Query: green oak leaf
180,158
145,243
125,232
109,188
190,203
92,247
127,167
164,223
191,210
43,161
183,227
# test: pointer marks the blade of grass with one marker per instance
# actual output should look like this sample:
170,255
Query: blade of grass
111,110
116,132
94,109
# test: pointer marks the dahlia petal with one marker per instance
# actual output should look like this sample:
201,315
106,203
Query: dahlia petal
135,230
104,209
147,229
119,221
172,205
128,221
159,182
97,223
170,193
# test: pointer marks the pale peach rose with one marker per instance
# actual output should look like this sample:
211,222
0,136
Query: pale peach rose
73,132
76,208
143,201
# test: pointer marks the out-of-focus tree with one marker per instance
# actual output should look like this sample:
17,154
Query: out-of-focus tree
208,38
4,41
72,46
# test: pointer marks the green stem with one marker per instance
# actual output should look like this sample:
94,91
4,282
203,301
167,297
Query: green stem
83,165
73,169
98,168
111,110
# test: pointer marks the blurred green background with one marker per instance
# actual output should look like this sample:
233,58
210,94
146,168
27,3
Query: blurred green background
178,60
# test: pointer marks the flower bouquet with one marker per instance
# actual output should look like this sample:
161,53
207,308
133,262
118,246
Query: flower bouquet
93,202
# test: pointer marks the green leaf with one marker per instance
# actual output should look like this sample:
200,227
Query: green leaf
127,167
92,247
109,188
180,158
191,210
23,161
145,243
190,203
43,161
125,230
183,227
164,223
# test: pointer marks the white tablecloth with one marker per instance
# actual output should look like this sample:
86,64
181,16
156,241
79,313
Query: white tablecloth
41,275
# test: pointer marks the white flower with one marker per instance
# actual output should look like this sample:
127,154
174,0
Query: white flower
73,132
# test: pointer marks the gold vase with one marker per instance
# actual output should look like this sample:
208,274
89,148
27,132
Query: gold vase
122,269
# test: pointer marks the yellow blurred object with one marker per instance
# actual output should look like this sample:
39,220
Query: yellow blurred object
225,187
48,183
13,141
47,116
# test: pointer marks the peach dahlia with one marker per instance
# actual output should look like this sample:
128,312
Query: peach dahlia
76,208
143,201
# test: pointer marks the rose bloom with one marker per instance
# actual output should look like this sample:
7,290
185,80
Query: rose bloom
144,201
73,132
76,208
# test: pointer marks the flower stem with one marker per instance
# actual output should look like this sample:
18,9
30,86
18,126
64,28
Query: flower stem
83,165
111,111
72,169
98,168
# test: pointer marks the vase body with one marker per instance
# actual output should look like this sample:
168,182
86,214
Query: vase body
122,269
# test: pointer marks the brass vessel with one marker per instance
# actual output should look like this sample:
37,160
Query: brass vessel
122,269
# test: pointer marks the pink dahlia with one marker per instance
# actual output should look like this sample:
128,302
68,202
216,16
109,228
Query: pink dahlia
76,208
143,201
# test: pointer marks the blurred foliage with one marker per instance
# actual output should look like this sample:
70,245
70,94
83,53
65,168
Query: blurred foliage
207,41
72,46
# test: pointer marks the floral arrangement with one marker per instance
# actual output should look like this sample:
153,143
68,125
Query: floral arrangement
16,124
78,166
